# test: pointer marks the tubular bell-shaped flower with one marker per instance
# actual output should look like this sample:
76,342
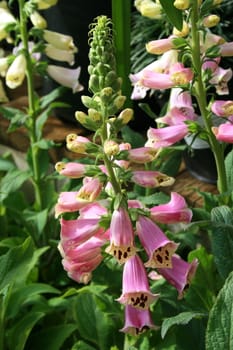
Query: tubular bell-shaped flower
165,137
59,55
157,246
222,108
71,169
181,273
137,321
45,4
219,79
135,286
121,236
224,132
150,178
60,41
176,210
66,77
16,72
141,155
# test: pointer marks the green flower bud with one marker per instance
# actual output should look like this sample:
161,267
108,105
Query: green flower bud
89,102
94,115
94,85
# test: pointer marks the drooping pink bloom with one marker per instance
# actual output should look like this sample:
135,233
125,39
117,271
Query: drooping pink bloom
226,49
71,169
137,321
75,232
222,108
142,155
121,236
156,81
176,210
224,132
82,272
181,273
66,77
77,144
68,202
134,203
208,39
180,75
94,210
125,146
211,65
220,79
180,108
157,246
160,46
151,179
135,286
165,137
90,190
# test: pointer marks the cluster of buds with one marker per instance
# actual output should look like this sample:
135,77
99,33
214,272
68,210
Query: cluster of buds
56,46
107,222
172,70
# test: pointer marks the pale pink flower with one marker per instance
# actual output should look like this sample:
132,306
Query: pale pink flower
226,49
157,246
176,210
150,178
94,210
180,108
137,321
208,39
224,132
181,273
121,236
68,202
219,79
90,190
160,46
135,286
156,81
165,137
66,77
75,232
222,108
142,155
77,143
180,75
71,169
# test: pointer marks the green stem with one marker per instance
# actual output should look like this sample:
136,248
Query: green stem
32,110
108,163
200,94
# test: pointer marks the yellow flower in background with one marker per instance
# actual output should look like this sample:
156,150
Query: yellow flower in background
37,20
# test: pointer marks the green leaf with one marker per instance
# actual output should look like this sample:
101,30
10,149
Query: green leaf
180,319
24,295
52,96
18,334
17,263
17,117
229,173
81,345
222,239
94,324
219,334
51,338
37,220
12,181
174,15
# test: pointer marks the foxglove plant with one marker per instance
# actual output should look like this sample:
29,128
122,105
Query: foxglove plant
107,222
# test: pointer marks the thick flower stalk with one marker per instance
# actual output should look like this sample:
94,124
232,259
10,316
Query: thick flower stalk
108,222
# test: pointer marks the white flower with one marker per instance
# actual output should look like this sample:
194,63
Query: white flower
6,18
45,4
60,41
3,66
3,97
66,77
37,20
59,55
16,73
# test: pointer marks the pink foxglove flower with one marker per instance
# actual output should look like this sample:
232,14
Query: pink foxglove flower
224,132
180,108
150,178
222,108
94,210
219,79
135,288
77,144
137,321
82,272
157,246
66,77
165,137
180,75
121,236
160,46
226,49
156,81
181,273
176,210
71,169
142,155
75,232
